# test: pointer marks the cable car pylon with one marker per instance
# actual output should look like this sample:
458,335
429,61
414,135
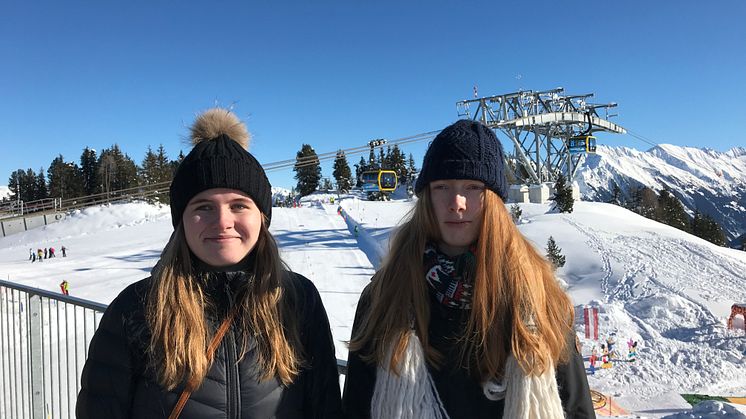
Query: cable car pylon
546,129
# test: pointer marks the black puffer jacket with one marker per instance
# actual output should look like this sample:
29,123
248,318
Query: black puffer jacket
462,396
118,381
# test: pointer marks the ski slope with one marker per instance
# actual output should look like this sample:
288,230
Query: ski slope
666,289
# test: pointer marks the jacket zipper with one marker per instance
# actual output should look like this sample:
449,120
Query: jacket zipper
231,368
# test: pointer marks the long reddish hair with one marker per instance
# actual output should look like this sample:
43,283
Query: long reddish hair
518,306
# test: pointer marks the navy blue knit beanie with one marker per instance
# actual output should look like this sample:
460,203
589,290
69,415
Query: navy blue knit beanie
466,149
219,159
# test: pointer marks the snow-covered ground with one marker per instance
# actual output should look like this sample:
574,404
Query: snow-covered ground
666,289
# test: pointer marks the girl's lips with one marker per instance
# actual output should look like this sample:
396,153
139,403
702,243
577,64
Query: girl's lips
457,224
220,239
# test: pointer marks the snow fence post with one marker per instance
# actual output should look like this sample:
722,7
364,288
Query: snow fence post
36,350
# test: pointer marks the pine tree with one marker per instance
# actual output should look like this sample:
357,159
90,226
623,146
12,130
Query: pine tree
616,194
25,186
382,163
563,200
147,172
155,169
554,254
89,172
65,179
32,193
705,227
515,213
372,164
117,170
41,185
643,201
359,169
411,169
174,164
307,170
342,174
398,164
14,184
671,211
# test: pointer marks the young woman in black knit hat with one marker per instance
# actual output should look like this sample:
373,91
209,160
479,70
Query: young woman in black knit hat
221,328
464,319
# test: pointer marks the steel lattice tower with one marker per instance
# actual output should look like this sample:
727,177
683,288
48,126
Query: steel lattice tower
539,125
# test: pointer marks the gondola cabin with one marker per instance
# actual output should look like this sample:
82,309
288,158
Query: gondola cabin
582,144
379,180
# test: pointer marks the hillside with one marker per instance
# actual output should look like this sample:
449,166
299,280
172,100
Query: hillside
712,182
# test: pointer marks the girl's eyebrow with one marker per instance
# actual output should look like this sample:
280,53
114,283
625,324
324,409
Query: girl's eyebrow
200,201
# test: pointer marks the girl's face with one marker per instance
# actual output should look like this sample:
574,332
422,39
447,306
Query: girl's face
221,226
458,205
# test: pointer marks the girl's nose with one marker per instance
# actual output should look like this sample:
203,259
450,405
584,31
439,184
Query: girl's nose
458,203
224,218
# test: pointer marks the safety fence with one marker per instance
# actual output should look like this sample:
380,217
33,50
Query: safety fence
44,338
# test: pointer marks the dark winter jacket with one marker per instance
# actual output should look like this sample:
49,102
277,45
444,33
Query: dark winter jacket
118,380
462,396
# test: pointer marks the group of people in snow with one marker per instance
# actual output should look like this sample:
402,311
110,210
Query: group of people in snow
46,253
464,319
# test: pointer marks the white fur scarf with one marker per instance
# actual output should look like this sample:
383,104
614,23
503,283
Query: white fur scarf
412,394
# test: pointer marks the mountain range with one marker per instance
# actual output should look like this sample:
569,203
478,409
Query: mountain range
704,180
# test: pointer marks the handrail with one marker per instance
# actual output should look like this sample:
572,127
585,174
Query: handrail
92,305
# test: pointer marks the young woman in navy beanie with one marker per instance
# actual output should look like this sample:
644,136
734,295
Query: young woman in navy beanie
221,328
464,319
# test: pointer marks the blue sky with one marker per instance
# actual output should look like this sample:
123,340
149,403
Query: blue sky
338,74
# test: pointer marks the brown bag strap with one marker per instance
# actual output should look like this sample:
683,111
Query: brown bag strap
210,352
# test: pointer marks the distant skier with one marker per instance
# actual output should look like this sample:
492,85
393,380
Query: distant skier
64,251
45,253
51,252
31,255
39,254
65,287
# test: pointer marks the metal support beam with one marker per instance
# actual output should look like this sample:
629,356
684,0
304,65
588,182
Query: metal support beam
36,351
550,118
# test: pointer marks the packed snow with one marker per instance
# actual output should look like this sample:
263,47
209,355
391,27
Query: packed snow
669,291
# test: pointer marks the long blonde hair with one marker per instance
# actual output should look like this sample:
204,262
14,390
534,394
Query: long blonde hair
176,306
518,306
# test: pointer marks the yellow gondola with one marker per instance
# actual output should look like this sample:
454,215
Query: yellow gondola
582,144
585,142
379,180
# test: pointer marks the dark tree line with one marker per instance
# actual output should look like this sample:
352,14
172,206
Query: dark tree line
308,168
666,208
94,173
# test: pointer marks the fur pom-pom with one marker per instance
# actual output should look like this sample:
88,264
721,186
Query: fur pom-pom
216,122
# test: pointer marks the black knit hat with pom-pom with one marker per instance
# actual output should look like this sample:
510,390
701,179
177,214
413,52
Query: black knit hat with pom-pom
465,149
219,159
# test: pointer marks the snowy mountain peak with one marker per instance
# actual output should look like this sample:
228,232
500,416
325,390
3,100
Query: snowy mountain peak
707,180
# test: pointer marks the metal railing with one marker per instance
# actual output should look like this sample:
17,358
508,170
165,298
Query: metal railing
44,338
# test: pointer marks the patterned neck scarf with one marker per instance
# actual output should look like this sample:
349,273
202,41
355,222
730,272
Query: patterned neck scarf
451,279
